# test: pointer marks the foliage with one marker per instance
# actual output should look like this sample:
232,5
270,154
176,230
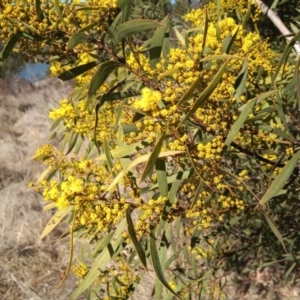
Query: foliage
11,66
179,144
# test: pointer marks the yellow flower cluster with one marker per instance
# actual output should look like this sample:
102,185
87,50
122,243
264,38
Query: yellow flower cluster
54,26
148,101
150,212
211,150
126,277
80,270
140,63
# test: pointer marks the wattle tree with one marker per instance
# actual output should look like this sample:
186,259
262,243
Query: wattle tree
179,144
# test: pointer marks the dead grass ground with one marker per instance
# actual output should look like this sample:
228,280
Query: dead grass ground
30,268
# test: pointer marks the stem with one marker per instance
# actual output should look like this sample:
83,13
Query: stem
278,23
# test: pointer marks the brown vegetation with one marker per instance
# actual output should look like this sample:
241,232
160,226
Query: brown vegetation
30,268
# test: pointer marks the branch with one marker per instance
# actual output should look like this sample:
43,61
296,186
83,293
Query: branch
278,23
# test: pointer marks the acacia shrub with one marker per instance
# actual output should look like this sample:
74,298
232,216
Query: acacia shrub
179,145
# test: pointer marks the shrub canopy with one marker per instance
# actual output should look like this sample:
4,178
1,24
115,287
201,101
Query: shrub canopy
179,144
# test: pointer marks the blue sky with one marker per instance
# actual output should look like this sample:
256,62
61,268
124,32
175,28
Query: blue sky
34,71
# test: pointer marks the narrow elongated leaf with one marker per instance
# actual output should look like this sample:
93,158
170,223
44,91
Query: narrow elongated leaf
137,161
275,230
71,256
91,8
100,262
162,178
125,6
228,42
9,46
171,200
169,72
240,82
50,206
56,123
179,36
76,39
157,42
172,178
119,95
157,265
239,122
134,26
281,179
58,10
38,9
55,220
87,27
285,56
162,257
207,92
189,92
72,142
102,244
221,57
108,154
72,73
153,157
139,250
102,73
122,151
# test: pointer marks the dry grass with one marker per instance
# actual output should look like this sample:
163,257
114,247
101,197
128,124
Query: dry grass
30,268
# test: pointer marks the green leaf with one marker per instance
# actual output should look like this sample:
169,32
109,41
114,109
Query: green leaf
9,46
247,15
162,178
297,85
157,265
122,151
76,39
239,122
139,250
172,178
72,73
207,92
125,6
58,10
189,92
281,179
171,200
153,157
134,26
102,73
101,262
169,72
108,154
228,42
205,30
275,230
119,95
72,142
87,27
39,12
179,36
56,123
102,244
157,42
55,220
221,57
91,8
137,161
240,82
